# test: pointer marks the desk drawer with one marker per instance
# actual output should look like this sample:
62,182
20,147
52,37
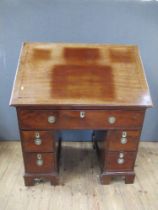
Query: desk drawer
120,161
123,140
38,141
40,162
68,119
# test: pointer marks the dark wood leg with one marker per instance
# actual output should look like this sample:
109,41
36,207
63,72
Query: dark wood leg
93,140
29,181
129,179
58,153
105,179
54,180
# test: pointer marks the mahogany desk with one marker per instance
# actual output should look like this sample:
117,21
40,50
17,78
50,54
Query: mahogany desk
80,86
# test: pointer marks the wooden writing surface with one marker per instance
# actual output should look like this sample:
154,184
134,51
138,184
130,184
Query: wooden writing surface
80,74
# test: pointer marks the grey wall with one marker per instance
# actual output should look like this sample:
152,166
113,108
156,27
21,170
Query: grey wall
130,22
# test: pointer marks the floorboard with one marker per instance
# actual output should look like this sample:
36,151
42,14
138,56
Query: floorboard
80,188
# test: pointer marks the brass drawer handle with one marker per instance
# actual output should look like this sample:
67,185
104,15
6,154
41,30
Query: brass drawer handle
51,119
39,160
112,119
120,161
123,140
37,140
124,137
82,114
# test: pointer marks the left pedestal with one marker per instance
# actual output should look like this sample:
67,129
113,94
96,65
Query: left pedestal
40,154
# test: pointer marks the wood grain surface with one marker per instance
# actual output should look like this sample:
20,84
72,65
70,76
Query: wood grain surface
114,140
81,189
48,142
68,119
49,163
80,74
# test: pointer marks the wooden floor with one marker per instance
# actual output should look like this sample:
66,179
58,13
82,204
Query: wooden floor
80,189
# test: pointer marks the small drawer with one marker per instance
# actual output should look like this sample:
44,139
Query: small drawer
123,140
38,141
79,119
40,162
120,161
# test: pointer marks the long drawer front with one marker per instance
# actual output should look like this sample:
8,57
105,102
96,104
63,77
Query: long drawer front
79,119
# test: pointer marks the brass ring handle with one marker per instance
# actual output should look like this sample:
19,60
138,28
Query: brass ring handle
123,140
37,140
112,119
120,161
39,161
52,119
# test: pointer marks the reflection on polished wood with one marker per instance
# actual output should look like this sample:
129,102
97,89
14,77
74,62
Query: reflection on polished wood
80,74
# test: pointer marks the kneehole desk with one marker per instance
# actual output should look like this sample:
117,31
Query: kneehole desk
80,86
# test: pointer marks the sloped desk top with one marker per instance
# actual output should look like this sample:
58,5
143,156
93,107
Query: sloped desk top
54,74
